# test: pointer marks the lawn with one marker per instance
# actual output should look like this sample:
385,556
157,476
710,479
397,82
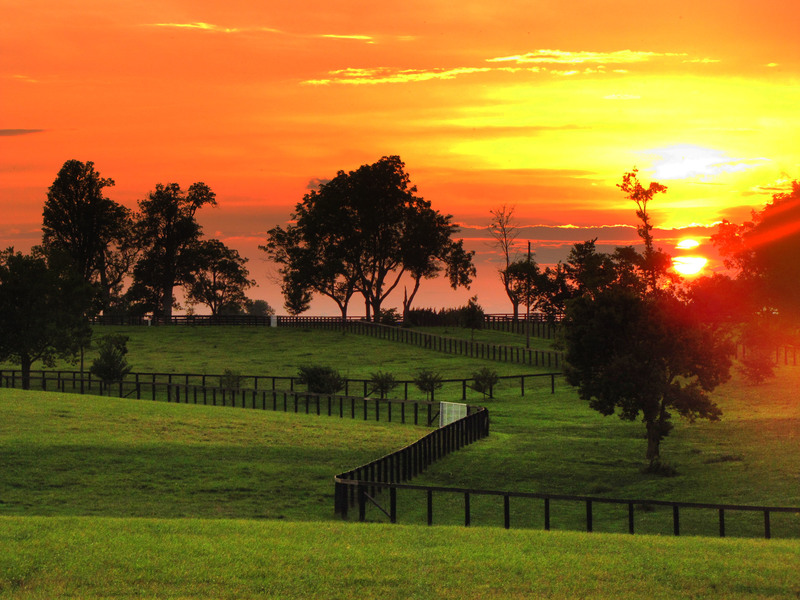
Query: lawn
192,501
95,558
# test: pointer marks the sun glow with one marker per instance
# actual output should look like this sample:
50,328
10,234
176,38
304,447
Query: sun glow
689,265
687,244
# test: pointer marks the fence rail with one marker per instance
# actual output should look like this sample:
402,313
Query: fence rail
355,486
77,381
468,348
361,487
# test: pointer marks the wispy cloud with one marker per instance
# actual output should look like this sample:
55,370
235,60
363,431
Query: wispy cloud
13,132
359,38
688,161
212,28
563,57
353,76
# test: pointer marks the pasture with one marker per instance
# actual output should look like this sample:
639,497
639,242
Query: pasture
249,494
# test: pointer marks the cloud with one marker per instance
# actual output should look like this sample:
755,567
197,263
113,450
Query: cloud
354,76
562,57
12,132
360,38
687,161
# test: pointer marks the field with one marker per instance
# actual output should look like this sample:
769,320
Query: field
200,502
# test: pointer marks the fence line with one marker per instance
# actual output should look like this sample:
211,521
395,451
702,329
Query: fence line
364,482
469,348
362,486
42,378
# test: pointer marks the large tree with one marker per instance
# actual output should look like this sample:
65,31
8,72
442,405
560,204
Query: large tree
87,230
42,311
637,348
166,231
218,277
361,232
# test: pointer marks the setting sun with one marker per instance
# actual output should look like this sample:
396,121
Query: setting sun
689,265
687,244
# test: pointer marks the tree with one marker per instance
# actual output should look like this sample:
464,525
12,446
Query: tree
638,348
217,277
111,365
428,248
166,232
774,244
92,233
360,232
504,230
42,311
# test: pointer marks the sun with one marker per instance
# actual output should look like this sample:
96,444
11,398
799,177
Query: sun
687,244
689,265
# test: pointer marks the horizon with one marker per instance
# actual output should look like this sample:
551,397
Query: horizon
542,108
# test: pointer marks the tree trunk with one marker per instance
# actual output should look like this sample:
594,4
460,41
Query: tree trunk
653,441
25,366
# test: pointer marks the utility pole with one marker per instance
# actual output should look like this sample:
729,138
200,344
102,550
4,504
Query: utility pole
528,300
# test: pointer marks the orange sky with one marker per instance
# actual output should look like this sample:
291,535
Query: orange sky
541,105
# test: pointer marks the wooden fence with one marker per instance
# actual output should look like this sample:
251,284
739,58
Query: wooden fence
469,348
363,483
75,381
417,412
361,487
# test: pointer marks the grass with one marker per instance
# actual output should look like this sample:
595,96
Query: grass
189,501
93,558
62,454
279,352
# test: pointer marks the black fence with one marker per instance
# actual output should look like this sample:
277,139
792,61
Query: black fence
363,483
363,486
85,382
537,324
468,348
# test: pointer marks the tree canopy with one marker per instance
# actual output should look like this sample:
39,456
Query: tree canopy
166,231
87,230
42,311
361,232
633,344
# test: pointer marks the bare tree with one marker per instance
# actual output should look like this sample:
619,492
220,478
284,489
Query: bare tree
504,230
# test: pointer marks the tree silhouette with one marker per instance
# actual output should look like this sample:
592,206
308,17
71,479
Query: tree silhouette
42,311
166,231
91,233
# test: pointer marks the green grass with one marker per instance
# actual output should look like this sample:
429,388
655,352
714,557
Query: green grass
146,490
62,454
279,352
93,558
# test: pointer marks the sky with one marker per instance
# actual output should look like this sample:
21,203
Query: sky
538,105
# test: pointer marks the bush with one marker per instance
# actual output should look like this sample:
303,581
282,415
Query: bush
111,366
231,380
383,383
388,316
320,380
484,381
428,381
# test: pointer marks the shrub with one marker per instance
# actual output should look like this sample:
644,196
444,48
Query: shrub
383,383
230,379
111,366
484,381
388,316
320,380
428,381
757,367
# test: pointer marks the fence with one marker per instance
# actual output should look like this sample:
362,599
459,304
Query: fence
472,349
75,381
363,483
538,325
363,486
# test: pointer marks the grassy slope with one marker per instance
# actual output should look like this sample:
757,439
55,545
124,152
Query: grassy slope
62,454
91,558
544,442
